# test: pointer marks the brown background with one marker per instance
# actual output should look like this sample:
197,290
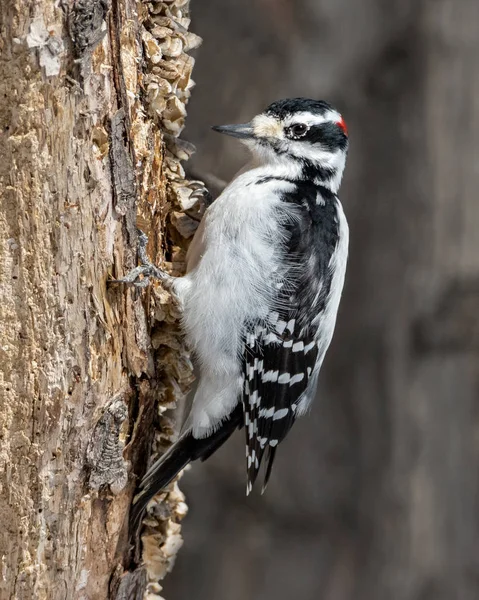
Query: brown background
375,493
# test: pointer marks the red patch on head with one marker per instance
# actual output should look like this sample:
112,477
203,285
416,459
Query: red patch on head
343,126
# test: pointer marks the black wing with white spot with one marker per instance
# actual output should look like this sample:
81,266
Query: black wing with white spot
277,371
279,356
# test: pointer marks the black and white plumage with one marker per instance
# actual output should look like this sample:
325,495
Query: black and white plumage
265,275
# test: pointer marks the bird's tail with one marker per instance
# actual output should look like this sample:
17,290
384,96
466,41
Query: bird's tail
181,453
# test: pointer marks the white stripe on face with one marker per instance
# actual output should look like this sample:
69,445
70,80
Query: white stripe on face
311,119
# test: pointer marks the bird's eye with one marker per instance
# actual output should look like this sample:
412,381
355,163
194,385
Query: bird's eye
298,130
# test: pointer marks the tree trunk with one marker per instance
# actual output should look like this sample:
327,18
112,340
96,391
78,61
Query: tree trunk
92,100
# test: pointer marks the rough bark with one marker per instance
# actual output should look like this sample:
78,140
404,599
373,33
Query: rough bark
374,494
92,100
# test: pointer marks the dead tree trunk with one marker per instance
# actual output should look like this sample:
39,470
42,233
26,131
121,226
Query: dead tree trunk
92,100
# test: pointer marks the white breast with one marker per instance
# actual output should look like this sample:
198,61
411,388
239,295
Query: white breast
232,282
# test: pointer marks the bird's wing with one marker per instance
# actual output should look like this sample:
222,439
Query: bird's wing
277,369
280,354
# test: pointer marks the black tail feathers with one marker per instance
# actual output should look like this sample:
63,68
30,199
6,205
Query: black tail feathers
184,451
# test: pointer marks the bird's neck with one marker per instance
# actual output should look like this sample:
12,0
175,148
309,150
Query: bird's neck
298,171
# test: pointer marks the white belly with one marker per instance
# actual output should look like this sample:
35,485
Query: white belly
232,282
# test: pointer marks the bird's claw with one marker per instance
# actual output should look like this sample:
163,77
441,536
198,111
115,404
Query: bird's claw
146,269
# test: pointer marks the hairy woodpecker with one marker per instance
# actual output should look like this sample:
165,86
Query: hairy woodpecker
264,278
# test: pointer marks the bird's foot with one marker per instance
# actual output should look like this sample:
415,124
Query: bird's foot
140,276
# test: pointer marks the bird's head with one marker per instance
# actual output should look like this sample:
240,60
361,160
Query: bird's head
308,138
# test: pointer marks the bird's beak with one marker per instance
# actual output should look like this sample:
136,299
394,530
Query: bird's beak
243,131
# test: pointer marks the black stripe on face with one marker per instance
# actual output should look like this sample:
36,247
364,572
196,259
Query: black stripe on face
310,171
329,135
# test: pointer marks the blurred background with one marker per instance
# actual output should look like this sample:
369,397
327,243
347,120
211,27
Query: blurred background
375,494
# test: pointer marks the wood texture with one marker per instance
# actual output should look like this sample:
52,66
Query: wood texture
92,98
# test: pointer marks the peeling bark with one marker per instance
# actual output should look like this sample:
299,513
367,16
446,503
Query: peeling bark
93,98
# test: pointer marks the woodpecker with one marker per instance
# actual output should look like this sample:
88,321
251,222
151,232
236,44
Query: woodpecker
265,273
